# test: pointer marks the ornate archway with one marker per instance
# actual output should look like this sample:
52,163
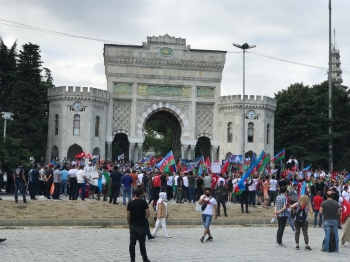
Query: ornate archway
73,150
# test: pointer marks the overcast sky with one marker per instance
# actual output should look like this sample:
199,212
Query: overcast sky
295,30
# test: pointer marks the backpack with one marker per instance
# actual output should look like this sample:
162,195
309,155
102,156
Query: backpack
205,203
301,215
332,244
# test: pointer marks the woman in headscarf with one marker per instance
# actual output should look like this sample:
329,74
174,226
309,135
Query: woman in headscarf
162,214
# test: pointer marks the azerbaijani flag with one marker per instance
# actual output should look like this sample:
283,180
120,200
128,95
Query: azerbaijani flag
347,178
241,184
262,160
121,157
281,155
167,164
307,168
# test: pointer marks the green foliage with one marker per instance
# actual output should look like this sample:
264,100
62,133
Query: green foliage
23,91
12,152
158,135
302,124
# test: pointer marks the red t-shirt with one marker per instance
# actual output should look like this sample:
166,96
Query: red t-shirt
156,181
317,202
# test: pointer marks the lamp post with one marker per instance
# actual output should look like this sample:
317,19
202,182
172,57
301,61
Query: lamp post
330,131
244,47
6,116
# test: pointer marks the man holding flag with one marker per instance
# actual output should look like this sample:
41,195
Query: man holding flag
346,221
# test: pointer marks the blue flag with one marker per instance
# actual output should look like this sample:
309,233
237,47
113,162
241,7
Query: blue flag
241,185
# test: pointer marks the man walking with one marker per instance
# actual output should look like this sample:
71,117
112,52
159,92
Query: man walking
207,214
330,211
137,210
281,214
127,182
116,178
20,182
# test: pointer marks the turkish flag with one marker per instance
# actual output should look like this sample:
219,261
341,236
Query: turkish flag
224,169
345,211
214,180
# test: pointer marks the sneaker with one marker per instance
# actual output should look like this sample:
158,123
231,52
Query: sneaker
202,239
167,236
308,248
297,247
314,226
209,239
320,226
280,245
2,239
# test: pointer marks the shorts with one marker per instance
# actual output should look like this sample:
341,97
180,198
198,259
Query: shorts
206,220
259,193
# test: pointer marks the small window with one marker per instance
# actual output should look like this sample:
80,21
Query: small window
97,126
229,132
76,125
250,132
268,134
56,124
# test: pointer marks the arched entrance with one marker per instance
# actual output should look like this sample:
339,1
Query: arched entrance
171,120
120,145
203,147
73,150
54,152
96,151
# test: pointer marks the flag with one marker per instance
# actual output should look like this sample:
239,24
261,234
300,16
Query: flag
179,165
200,170
307,168
262,160
225,167
207,164
214,180
345,211
167,164
281,155
303,189
246,175
121,157
80,155
347,178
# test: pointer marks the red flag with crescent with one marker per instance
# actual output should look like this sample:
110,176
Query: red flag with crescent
345,211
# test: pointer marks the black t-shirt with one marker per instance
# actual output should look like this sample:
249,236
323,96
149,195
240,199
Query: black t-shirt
163,181
179,179
47,174
320,186
35,176
116,178
282,183
137,208
145,180
200,183
18,174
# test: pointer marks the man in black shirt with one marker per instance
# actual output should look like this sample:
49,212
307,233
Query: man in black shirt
48,180
163,182
115,177
200,187
20,182
137,210
35,182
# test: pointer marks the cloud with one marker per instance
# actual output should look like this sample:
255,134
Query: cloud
292,30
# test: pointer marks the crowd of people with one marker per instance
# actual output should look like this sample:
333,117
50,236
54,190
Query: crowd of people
293,196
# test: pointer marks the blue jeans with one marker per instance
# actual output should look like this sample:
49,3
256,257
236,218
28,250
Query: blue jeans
191,192
127,191
328,225
290,220
82,187
20,186
316,213
63,187
206,220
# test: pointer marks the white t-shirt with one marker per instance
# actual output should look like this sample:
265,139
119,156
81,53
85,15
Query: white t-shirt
185,179
345,195
209,209
176,177
253,185
140,177
72,172
170,181
220,179
273,184
80,176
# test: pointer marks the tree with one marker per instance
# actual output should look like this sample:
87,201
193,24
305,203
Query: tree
12,152
28,101
302,123
158,135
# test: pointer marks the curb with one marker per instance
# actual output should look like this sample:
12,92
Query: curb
111,222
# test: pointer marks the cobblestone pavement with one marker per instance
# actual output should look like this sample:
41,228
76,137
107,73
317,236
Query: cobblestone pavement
111,244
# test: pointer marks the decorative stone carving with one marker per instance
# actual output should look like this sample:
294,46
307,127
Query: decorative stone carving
121,114
204,119
122,89
205,92
142,107
155,90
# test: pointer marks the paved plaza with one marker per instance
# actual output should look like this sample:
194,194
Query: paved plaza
111,244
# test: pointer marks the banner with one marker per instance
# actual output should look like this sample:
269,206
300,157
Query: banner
190,164
235,159
90,173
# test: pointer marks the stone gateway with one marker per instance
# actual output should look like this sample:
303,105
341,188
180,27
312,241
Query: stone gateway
161,79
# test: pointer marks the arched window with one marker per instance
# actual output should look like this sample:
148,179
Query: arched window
229,132
97,126
268,134
250,132
76,125
56,124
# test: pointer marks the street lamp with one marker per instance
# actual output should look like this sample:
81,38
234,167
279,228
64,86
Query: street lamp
6,116
244,47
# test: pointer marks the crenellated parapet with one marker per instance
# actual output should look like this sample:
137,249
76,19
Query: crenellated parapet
78,93
257,102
